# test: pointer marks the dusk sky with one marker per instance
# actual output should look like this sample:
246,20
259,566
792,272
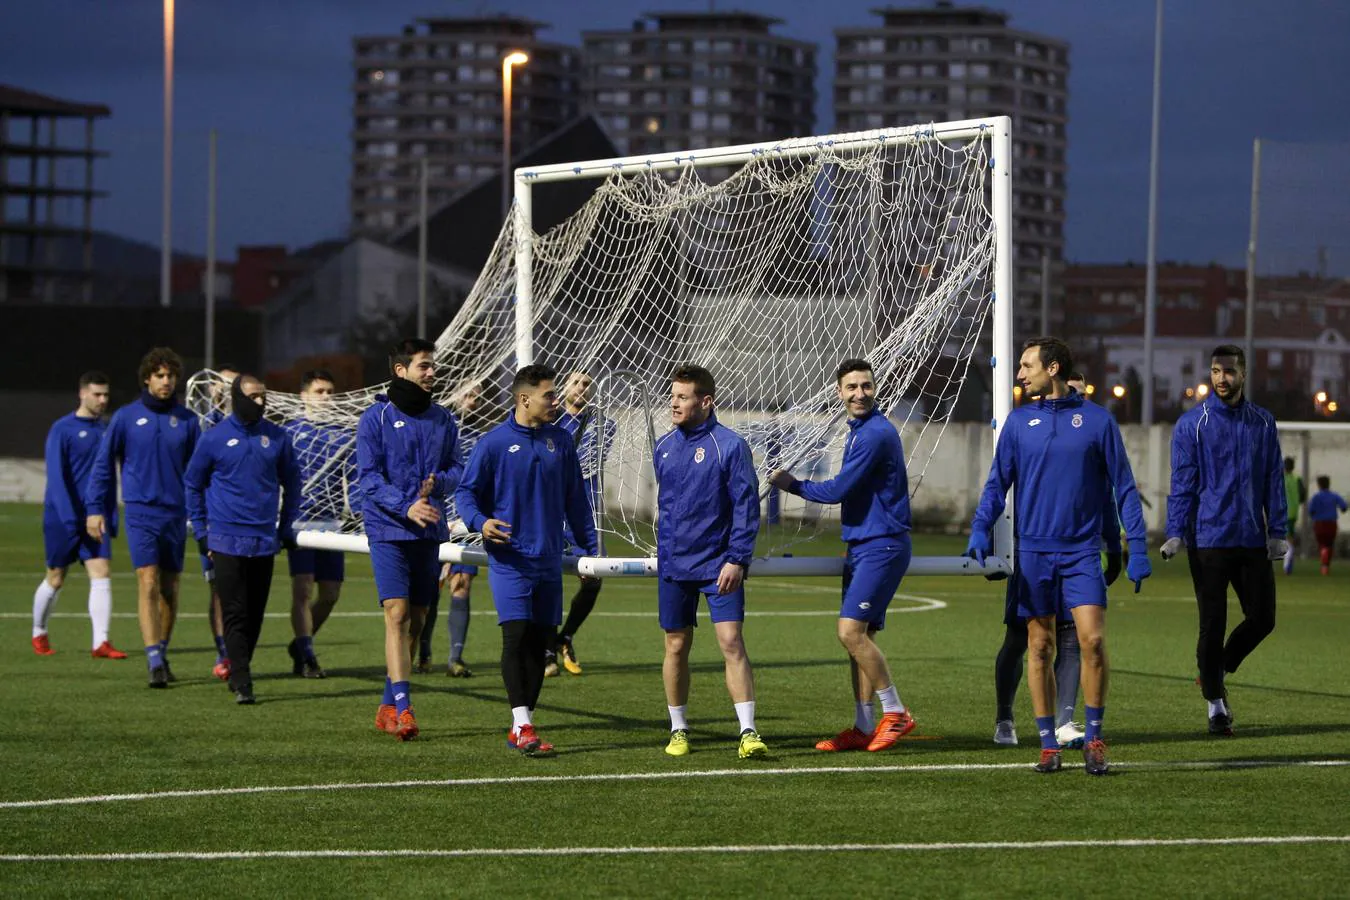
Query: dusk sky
275,79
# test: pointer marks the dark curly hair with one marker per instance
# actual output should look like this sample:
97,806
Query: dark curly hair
158,358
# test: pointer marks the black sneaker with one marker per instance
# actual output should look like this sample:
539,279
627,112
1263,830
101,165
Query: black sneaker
1094,757
159,677
1051,761
168,673
1221,725
423,666
244,696
312,669
297,661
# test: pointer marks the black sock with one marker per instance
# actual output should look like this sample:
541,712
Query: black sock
582,604
538,639
1008,669
514,664
428,630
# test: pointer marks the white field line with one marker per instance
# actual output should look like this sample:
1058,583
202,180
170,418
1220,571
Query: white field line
717,849
517,780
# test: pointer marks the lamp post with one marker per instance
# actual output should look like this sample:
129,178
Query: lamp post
165,237
514,58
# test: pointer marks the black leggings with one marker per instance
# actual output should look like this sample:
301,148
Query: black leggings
1249,571
243,583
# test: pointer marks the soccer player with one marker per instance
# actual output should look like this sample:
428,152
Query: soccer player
72,445
1008,664
1295,495
409,463
1323,509
468,403
707,520
320,450
220,408
1059,452
522,483
578,392
872,488
1227,507
242,469
152,439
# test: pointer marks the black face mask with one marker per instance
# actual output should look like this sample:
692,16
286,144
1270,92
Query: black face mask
245,408
409,397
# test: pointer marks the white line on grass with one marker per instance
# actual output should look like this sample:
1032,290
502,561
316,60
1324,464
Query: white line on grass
638,776
719,849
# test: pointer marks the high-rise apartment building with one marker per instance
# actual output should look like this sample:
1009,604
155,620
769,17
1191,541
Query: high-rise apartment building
946,62
682,80
434,92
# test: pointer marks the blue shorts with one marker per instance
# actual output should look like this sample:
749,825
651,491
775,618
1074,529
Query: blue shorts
463,569
872,575
407,570
156,540
324,565
1052,584
678,603
67,543
531,595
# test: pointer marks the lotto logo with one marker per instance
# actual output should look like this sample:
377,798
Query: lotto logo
513,448
1033,423
398,424
232,442
84,434
142,420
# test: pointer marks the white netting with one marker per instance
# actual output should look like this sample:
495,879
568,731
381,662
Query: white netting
768,273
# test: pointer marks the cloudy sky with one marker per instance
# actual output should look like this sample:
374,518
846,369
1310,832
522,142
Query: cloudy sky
274,78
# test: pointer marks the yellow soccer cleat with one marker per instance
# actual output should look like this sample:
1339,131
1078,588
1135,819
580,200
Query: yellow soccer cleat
679,743
752,745
569,658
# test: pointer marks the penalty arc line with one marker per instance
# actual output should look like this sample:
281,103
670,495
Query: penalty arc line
719,849
521,780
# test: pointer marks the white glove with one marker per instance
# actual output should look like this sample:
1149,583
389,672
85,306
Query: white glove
1171,547
1276,548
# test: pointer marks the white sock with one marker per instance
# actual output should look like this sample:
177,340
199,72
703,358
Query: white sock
863,720
746,713
44,598
520,715
677,719
1217,708
100,608
890,700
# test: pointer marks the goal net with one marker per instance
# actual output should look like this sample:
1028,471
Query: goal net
767,265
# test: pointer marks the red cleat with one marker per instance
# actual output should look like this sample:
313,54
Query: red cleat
848,739
106,650
222,670
407,726
41,647
386,718
528,742
891,728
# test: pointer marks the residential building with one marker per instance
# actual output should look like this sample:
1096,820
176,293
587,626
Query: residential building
433,96
687,80
948,63
47,158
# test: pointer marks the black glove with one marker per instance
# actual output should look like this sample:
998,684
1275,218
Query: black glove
201,546
1113,566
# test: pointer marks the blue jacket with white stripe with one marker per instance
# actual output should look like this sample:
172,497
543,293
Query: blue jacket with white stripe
153,441
1227,477
395,453
237,477
708,502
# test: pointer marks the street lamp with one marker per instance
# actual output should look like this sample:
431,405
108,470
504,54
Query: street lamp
166,237
1320,397
514,58
1332,406
1118,391
1202,390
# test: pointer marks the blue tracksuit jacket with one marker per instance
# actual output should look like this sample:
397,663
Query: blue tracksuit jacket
327,463
708,502
72,445
395,452
154,449
1227,477
234,481
531,478
872,486
1326,506
1065,457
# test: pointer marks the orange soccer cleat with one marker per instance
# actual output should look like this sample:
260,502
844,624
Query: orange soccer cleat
848,739
42,647
407,726
386,718
891,728
106,650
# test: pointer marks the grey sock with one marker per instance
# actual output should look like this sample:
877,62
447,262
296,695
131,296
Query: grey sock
458,620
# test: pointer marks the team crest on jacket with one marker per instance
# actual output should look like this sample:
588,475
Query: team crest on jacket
549,444
173,421
699,454
266,442
232,442
1077,420
84,434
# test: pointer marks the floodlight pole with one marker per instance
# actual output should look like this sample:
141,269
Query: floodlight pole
1249,343
1151,282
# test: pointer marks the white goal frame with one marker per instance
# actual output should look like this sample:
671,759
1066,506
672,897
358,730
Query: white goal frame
998,130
